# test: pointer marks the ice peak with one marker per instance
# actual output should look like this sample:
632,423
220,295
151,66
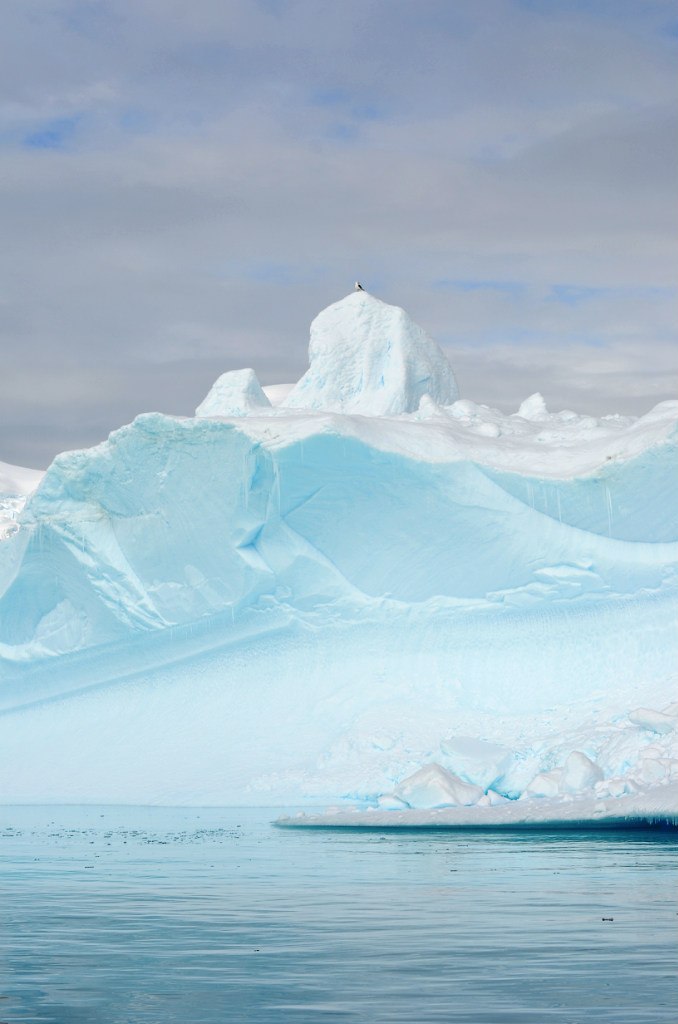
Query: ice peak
371,358
235,393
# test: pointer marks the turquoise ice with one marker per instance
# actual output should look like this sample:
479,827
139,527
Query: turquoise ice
303,601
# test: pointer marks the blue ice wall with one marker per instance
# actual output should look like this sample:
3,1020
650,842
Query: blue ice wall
635,500
191,523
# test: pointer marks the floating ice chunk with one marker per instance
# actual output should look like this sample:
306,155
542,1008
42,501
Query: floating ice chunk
655,721
433,786
579,773
534,408
235,393
368,357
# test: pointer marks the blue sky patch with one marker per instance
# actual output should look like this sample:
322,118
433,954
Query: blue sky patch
53,134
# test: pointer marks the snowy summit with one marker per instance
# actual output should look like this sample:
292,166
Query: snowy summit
368,357
359,588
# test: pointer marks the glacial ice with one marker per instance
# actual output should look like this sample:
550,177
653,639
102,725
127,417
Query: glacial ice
368,357
359,589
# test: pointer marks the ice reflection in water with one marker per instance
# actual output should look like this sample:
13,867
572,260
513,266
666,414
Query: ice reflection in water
200,916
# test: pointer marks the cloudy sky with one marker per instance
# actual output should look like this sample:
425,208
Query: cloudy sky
185,185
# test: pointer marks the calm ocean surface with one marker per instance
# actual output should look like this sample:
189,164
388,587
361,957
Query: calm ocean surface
136,915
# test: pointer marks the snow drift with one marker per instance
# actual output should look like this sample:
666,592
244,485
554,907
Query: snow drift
319,598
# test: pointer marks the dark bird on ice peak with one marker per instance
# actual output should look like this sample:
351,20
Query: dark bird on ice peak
358,287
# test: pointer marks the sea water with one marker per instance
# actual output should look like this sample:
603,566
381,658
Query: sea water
197,916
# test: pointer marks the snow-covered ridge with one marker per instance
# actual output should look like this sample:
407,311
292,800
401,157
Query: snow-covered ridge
394,389
561,446
323,592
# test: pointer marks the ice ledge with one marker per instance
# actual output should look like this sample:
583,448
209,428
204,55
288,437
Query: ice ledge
658,806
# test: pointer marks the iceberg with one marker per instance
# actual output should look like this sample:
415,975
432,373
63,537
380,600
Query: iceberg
321,593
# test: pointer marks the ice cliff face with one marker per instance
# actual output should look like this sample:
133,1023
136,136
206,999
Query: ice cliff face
320,597
173,520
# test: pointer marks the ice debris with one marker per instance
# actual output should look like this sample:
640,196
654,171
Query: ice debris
579,773
433,786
